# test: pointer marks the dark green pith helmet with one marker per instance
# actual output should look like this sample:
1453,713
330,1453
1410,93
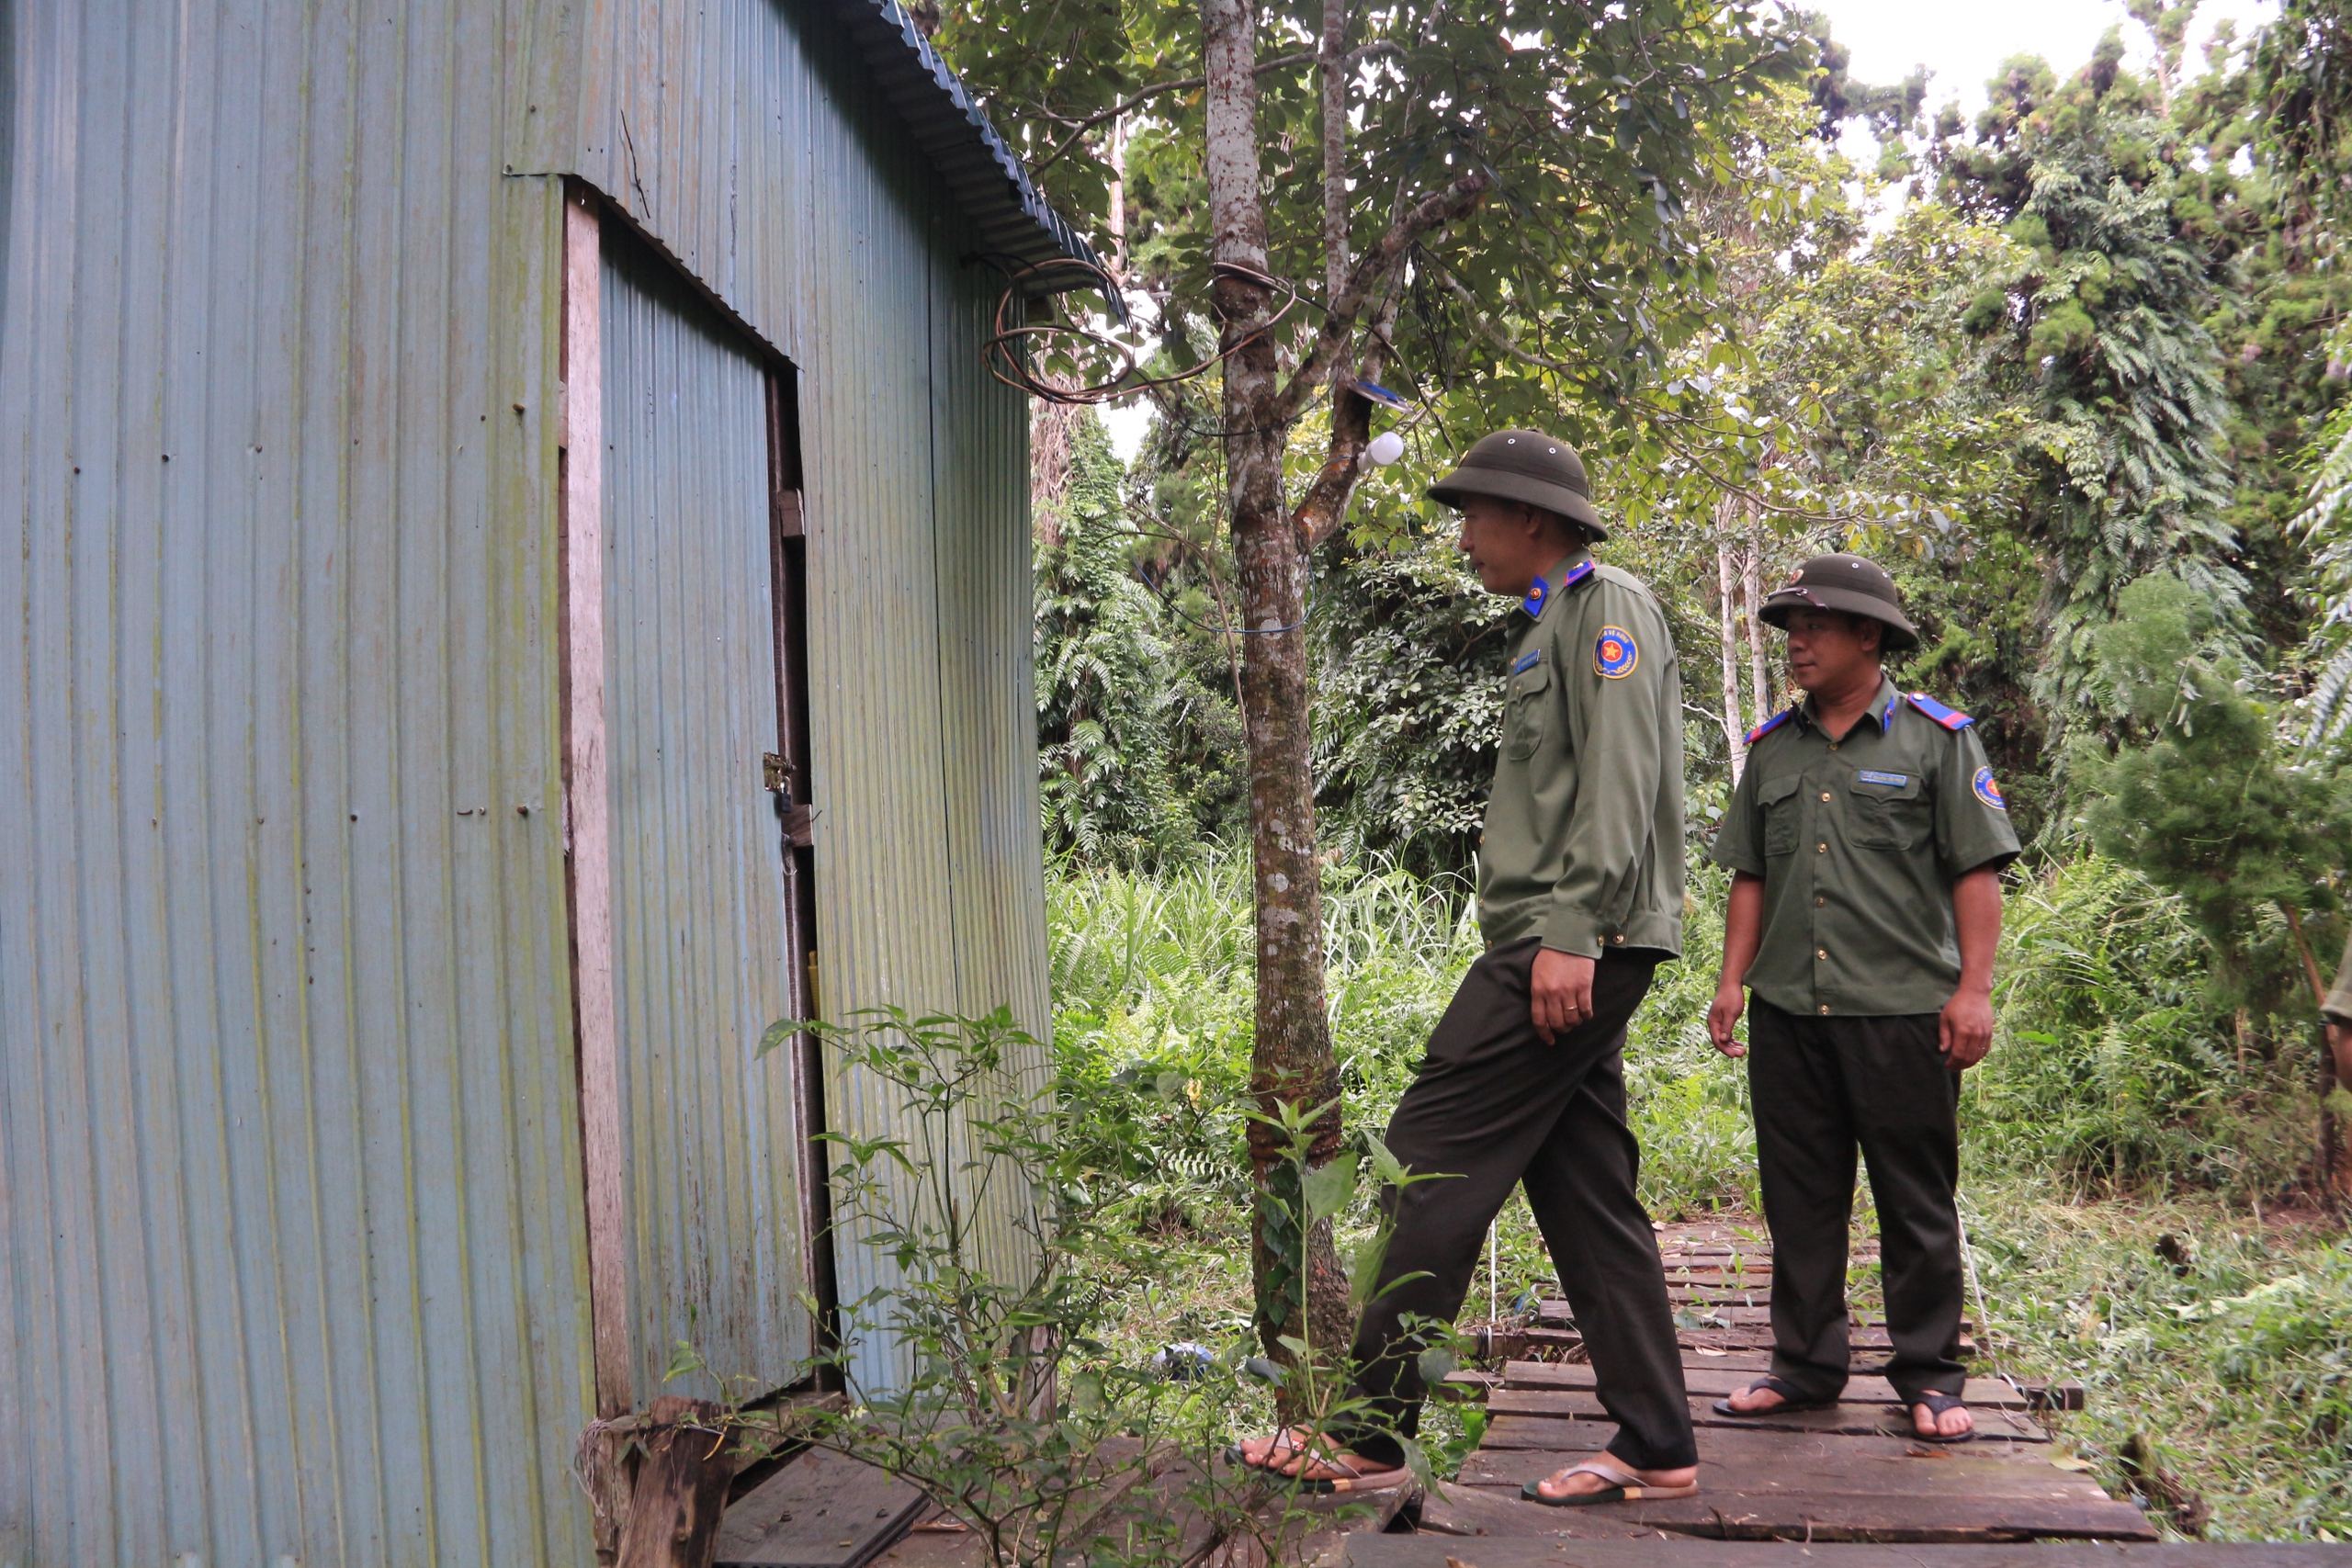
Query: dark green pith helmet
1524,465
1846,583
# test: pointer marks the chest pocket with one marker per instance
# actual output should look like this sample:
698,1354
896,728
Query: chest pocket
1782,809
1884,815
1527,712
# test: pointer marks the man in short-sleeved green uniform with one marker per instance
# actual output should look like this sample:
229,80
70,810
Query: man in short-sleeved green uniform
1867,833
1579,898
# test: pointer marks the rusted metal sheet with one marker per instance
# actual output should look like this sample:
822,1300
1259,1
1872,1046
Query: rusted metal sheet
290,1244
710,1138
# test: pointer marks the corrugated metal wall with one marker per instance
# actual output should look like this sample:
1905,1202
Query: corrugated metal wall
291,1252
713,1200
292,1256
746,139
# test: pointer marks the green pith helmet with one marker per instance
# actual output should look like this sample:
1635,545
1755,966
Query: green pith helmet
1846,583
1524,465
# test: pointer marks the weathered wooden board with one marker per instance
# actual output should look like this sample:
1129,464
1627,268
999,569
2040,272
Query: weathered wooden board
1928,1513
1886,1467
1432,1551
820,1511
1867,1421
1739,1445
1460,1510
1992,1394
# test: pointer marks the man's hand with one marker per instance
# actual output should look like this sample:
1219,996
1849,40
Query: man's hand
1964,1032
1559,992
1723,1017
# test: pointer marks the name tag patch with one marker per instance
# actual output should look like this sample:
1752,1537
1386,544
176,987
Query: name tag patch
1527,661
1614,653
1871,775
1987,791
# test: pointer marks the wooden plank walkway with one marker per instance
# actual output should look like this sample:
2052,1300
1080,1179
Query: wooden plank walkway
1852,1474
1429,1551
1841,1488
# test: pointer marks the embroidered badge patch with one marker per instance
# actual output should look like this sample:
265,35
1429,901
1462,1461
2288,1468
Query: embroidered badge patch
1527,661
1871,775
1614,653
1987,791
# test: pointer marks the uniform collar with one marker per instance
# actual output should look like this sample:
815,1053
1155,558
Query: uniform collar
1882,708
1572,569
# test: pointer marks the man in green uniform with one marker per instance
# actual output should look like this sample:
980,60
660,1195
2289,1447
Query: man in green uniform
1865,840
1579,898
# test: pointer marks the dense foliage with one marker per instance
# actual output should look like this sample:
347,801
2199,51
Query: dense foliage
2077,373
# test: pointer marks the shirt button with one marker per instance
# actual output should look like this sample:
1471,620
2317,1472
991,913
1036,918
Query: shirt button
1821,952
1825,795
1821,849
1832,745
1818,902
1825,1008
1619,937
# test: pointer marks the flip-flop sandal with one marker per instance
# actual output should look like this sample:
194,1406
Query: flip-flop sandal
1792,1401
1936,1405
1621,1489
1354,1479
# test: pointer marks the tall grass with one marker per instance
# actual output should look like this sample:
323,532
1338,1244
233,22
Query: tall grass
2113,1069
1155,986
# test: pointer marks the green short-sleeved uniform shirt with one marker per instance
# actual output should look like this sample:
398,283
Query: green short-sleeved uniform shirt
1583,842
1859,841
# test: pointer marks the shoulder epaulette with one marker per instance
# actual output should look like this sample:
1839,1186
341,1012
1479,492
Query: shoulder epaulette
1540,594
1951,718
1769,725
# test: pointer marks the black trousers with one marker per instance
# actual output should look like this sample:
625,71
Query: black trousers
1821,1086
1493,1106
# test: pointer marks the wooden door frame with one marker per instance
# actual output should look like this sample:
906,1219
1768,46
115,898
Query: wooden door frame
587,797
579,511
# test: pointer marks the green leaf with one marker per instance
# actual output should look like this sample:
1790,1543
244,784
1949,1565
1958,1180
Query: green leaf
1437,1364
776,1035
1328,1188
1365,1272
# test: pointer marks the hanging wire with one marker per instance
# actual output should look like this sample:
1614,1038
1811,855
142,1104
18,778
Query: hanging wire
1006,350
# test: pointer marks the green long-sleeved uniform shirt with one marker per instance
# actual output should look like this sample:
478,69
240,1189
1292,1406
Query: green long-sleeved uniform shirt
1583,842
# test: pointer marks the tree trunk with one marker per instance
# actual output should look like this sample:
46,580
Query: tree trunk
1751,577
1728,619
1333,60
1291,1059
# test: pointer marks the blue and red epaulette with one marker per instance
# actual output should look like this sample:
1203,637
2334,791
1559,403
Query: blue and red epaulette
1769,725
1951,718
1540,592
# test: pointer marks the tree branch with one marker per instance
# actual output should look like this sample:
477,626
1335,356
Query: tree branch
1079,128
1456,201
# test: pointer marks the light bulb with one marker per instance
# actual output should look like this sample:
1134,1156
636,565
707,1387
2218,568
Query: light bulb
1384,448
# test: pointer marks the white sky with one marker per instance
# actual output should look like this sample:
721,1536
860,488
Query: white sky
1961,42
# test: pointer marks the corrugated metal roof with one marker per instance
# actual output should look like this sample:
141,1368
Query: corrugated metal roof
989,179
